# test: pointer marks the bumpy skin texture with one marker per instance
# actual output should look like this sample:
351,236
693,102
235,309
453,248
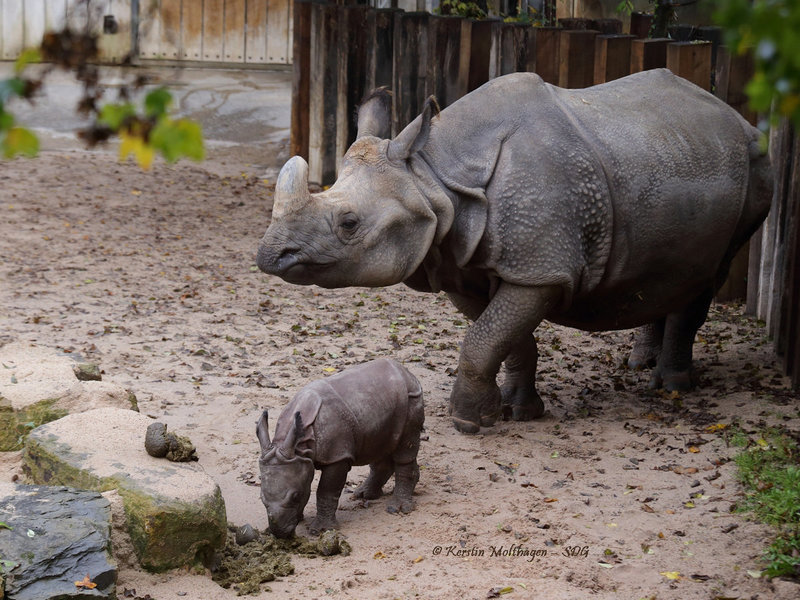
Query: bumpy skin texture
610,207
369,414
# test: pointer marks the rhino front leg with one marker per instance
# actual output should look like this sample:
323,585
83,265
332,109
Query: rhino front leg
511,316
331,483
518,392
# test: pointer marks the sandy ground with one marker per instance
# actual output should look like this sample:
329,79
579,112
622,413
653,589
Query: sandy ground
617,492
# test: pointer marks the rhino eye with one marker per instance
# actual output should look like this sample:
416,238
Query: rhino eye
349,223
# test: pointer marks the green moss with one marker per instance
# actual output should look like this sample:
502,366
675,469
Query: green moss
133,401
16,425
165,533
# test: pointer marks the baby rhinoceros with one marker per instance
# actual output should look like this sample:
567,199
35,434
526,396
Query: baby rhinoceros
369,414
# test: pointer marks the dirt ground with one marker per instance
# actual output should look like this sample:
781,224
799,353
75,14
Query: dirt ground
617,492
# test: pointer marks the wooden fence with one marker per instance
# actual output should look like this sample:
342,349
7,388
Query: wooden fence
342,52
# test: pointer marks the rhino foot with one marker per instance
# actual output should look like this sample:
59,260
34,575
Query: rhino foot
367,492
402,505
321,524
676,381
521,404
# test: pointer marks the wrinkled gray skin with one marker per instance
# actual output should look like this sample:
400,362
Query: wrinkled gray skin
369,414
615,206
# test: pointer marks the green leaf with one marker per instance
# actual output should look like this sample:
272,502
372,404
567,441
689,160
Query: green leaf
157,102
178,139
29,55
114,115
10,88
4,525
6,120
19,141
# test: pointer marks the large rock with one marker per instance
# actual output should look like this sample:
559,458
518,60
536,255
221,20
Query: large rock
39,385
57,536
175,512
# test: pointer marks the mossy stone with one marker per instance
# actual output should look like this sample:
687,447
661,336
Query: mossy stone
16,425
167,532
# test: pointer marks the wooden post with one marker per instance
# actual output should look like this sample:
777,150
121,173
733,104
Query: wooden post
445,64
576,59
732,74
382,53
410,70
353,64
517,43
648,54
606,26
323,94
548,46
612,57
640,24
480,52
301,50
692,61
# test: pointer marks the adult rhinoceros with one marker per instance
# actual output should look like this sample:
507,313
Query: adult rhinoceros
615,206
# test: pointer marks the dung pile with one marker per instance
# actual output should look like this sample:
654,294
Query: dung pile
246,566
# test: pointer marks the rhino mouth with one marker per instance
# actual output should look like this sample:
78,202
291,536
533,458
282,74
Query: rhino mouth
289,264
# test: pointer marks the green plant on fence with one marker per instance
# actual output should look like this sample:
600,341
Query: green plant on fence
625,7
469,10
769,28
769,469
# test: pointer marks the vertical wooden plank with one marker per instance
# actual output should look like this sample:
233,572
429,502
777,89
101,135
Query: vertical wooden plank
547,53
149,28
213,30
753,266
277,32
384,47
576,59
13,29
410,69
640,24
465,55
170,34
341,43
480,52
612,57
233,36
788,326
692,61
301,65
192,30
116,47
35,20
445,64
256,37
56,15
323,94
360,22
732,73
648,54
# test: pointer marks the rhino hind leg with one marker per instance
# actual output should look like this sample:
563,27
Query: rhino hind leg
520,400
379,473
647,344
673,371
406,477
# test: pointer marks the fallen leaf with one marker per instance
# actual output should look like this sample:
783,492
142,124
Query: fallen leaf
689,504
674,575
694,449
605,565
86,583
717,427
496,592
647,508
754,574
378,555
329,369
551,500
418,559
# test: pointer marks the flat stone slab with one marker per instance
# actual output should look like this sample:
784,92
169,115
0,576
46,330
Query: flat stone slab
55,537
175,512
38,385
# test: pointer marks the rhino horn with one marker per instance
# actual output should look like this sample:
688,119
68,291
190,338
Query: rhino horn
291,189
262,431
288,446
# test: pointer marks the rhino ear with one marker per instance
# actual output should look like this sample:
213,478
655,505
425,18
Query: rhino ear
414,137
262,431
375,114
288,446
